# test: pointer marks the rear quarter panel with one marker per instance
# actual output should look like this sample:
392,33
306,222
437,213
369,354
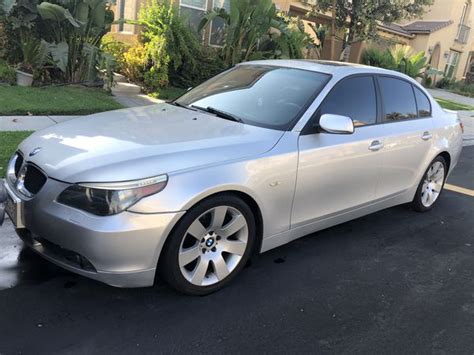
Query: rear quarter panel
447,134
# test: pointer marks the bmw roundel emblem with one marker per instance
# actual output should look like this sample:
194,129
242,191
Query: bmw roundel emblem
35,151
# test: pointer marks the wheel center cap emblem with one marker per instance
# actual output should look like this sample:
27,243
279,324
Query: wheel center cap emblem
210,242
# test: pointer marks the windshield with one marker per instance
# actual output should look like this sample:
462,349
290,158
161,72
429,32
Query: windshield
262,95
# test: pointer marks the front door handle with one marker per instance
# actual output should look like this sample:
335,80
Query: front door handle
426,136
375,145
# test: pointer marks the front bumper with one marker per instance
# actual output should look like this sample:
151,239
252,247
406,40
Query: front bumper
120,250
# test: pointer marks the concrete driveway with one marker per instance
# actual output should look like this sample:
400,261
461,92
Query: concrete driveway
396,281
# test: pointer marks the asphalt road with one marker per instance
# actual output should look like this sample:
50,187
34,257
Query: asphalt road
393,282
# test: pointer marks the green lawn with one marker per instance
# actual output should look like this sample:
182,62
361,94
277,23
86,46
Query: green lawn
8,143
54,100
452,105
168,94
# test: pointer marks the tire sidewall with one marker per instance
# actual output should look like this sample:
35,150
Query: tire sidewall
169,262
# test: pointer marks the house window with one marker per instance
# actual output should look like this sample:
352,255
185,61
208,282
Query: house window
121,14
463,14
463,30
451,65
218,24
193,10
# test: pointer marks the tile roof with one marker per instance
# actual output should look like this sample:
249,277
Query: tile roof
393,27
426,27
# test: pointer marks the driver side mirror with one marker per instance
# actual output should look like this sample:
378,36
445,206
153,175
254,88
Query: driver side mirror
336,124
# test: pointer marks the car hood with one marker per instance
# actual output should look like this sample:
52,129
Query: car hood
142,142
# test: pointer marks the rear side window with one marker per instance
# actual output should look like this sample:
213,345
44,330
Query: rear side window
423,103
398,99
353,97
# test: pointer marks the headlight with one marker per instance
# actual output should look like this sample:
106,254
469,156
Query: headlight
13,168
105,199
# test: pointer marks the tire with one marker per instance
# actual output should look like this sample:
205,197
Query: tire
209,246
431,185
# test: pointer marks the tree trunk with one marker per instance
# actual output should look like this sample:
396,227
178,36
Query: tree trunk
351,34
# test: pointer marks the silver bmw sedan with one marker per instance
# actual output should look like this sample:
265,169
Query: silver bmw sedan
254,158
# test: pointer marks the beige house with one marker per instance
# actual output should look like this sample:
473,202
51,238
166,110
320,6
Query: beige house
443,33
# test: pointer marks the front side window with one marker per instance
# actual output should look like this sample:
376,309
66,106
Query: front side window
193,11
262,95
398,99
355,98
423,103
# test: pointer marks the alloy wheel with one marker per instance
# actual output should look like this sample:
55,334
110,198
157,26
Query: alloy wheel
432,184
213,245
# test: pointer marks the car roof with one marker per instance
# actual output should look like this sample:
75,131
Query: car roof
324,66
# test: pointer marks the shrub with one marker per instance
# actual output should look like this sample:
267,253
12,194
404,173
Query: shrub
171,52
135,62
443,83
210,64
462,88
399,58
378,58
116,49
7,73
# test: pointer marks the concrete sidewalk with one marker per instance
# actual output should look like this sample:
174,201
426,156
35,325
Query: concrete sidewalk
30,123
446,95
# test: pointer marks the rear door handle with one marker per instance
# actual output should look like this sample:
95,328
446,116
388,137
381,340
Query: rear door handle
375,145
426,136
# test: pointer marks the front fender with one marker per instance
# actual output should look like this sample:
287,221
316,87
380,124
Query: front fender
269,180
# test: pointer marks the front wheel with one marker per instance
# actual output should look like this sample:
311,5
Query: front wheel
210,245
431,185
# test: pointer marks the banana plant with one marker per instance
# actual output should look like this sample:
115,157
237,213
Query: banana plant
246,23
70,29
406,62
74,30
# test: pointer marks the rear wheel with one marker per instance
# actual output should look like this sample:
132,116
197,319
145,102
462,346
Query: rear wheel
431,185
210,245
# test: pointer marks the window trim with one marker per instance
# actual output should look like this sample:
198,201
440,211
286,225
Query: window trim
416,101
310,128
292,123
384,121
194,7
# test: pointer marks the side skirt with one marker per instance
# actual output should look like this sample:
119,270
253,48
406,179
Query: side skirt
335,219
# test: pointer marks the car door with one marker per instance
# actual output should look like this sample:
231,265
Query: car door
407,130
339,172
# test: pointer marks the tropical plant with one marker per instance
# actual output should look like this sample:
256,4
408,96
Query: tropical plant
34,53
70,29
74,30
290,37
320,32
116,49
7,73
407,62
378,58
247,22
174,53
399,57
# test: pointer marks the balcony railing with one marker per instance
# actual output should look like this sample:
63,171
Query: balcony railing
463,34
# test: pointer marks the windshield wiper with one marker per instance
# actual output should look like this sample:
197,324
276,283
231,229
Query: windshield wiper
176,103
219,113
